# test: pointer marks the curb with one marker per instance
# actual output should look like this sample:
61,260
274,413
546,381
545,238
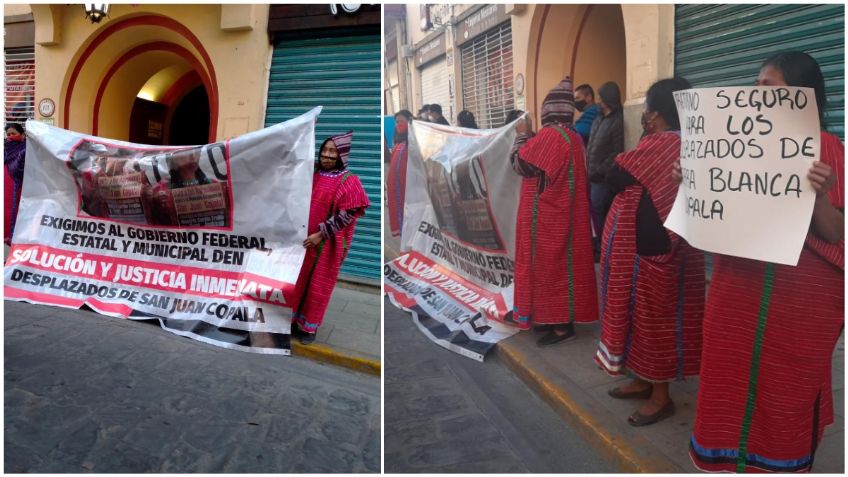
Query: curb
631,455
326,354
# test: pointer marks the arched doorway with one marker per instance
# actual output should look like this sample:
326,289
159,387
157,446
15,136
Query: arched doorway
189,122
153,64
584,41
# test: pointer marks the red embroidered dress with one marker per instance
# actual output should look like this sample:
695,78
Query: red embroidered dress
332,192
764,396
651,306
396,187
554,268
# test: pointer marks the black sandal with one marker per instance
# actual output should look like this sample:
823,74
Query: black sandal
637,419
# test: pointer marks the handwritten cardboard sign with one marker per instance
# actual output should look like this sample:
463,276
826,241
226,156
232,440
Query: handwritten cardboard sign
744,154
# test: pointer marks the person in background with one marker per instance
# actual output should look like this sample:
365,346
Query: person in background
764,396
338,200
514,114
584,101
424,113
652,281
14,159
466,120
605,142
436,115
396,180
554,272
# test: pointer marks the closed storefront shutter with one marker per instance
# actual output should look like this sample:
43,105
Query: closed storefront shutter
724,45
20,84
435,87
341,73
487,89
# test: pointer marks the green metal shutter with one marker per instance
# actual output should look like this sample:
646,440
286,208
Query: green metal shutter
724,45
342,74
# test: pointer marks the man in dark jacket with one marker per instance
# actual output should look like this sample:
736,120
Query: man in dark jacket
605,142
436,115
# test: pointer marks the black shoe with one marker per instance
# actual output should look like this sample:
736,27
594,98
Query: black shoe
543,328
553,338
296,331
638,419
307,338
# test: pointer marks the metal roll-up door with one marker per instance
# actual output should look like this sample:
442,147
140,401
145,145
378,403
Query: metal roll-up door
435,87
487,89
724,45
20,84
341,73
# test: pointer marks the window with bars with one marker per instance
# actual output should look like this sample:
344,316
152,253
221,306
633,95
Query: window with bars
20,84
487,89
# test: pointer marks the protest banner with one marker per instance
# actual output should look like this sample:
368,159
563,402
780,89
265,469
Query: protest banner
206,239
745,153
455,271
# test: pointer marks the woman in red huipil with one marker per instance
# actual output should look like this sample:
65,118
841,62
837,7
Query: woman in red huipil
764,396
554,268
338,199
652,281
396,180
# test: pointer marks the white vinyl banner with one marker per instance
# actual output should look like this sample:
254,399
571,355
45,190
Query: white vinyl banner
208,239
745,153
456,267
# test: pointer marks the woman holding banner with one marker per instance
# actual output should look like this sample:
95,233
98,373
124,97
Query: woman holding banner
396,186
770,330
14,157
652,281
338,199
554,271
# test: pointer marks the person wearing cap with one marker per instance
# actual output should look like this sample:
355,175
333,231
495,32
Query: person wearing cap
338,199
554,271
436,115
605,142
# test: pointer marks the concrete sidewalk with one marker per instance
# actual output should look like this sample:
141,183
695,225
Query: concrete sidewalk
350,334
568,379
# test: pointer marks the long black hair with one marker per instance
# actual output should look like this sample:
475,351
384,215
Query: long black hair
339,162
466,119
660,99
802,70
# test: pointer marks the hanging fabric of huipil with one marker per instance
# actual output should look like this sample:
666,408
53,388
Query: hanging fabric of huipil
651,306
396,187
764,396
14,158
554,267
338,199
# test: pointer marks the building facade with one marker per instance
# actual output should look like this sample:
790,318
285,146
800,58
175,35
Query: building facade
176,74
494,58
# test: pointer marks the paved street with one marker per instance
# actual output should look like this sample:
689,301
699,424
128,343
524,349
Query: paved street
448,413
88,393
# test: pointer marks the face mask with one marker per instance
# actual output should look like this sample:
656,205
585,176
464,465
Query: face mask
401,128
580,105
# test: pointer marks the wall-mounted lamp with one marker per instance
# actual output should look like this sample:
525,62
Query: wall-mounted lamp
96,12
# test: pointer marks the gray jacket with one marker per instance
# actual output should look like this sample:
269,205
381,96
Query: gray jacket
605,142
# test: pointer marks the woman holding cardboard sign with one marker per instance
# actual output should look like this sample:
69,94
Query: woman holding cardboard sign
770,330
652,280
